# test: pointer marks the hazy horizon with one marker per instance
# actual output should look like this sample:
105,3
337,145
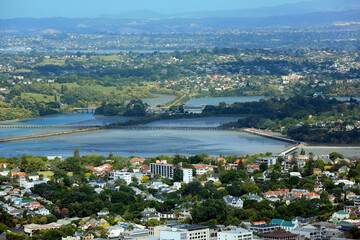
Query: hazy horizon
97,8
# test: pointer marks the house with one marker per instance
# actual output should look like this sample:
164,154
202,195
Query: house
103,213
114,231
100,170
277,193
233,201
201,169
253,197
340,215
301,159
250,168
343,169
295,174
150,213
135,161
167,215
286,225
280,235
43,211
34,177
32,205
312,195
317,171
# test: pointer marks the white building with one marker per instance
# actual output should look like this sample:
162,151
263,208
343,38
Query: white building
202,169
340,215
233,201
185,232
187,174
117,174
309,232
114,231
43,212
163,169
267,160
237,234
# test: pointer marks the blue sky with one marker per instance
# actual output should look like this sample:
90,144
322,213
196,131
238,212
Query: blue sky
94,8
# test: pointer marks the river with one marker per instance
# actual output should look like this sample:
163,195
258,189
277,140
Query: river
142,143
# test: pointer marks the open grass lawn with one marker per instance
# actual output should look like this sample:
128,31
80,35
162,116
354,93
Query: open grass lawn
22,70
51,173
39,97
52,61
68,85
106,57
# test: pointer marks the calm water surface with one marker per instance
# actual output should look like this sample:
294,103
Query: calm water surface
228,100
146,143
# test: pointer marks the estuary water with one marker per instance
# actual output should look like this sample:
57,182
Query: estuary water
227,100
142,143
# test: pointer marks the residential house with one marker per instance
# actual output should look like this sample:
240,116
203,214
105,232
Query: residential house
43,211
250,168
114,231
150,213
135,161
267,160
233,201
201,169
340,215
254,197
312,195
287,225
100,170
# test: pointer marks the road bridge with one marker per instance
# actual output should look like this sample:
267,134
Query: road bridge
46,126
171,128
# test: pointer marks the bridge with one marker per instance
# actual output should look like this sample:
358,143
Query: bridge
87,110
47,126
268,135
171,128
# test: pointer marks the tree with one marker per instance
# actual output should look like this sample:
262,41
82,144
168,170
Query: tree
152,223
250,187
76,152
3,227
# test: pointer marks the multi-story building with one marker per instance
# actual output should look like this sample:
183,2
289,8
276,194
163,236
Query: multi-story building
187,174
237,234
264,228
185,232
163,169
267,160
116,174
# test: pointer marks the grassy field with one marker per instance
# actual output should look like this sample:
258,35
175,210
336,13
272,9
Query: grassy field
39,97
52,61
50,173
68,85
106,58
22,70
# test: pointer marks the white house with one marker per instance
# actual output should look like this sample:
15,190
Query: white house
43,211
234,201
340,215
114,231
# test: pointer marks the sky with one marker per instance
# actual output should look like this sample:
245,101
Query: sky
95,8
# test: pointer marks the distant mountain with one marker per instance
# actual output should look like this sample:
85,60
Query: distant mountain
106,25
282,10
141,14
